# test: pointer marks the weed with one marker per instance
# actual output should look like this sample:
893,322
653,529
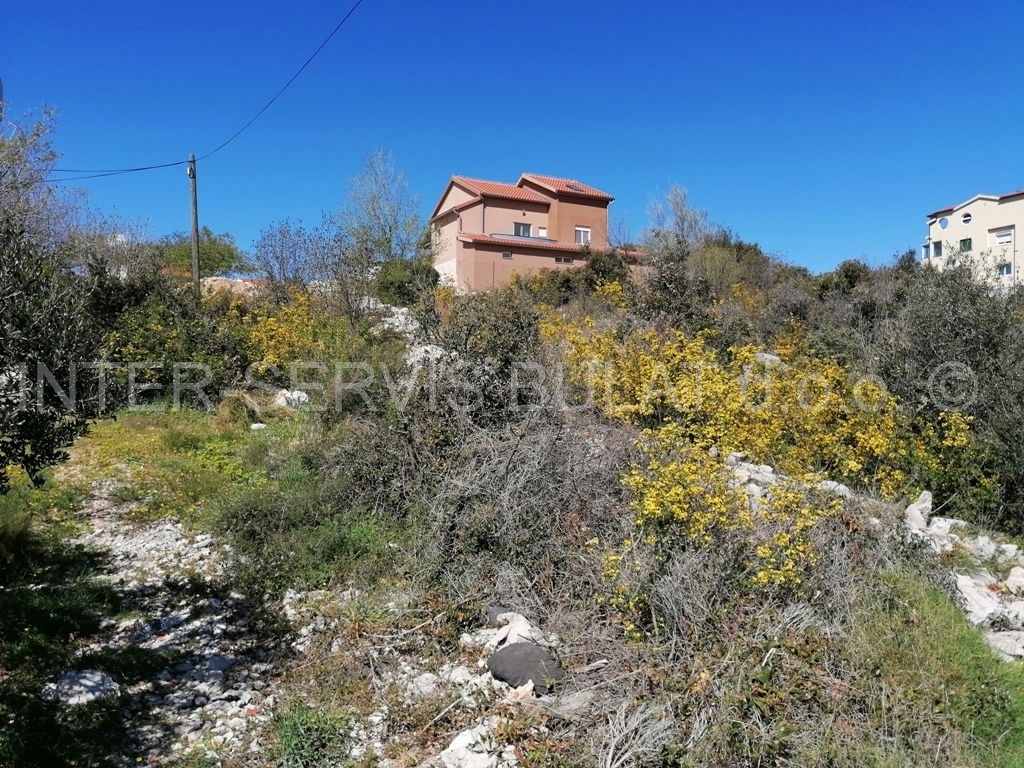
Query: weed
311,738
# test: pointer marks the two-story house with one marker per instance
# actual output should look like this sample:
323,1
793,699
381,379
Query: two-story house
983,230
486,231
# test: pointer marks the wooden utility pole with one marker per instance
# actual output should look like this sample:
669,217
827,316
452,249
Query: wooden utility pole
195,223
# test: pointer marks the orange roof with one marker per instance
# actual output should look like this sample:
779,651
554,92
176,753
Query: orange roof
520,242
499,189
567,186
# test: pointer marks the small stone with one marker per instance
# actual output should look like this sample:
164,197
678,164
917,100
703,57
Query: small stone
257,426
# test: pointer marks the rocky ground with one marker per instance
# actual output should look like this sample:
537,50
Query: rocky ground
209,656
216,667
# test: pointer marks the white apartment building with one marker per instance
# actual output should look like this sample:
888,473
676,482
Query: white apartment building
982,230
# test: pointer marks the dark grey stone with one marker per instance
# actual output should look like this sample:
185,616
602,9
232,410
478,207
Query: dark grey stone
517,663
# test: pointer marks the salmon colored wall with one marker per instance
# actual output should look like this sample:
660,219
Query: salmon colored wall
576,213
456,196
481,267
502,214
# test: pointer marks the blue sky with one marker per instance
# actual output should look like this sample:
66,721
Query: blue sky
823,130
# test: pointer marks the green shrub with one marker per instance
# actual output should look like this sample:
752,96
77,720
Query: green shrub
312,738
400,281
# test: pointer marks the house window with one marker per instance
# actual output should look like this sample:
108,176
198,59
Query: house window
1005,270
563,260
943,222
966,218
965,244
542,231
582,235
519,229
937,250
506,254
1003,237
924,252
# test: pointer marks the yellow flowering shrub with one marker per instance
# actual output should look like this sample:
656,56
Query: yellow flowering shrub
298,330
800,414
804,415
613,294
681,491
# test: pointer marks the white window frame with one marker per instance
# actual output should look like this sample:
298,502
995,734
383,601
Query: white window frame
542,231
999,235
518,224
582,235
506,254
563,260
1005,270
966,218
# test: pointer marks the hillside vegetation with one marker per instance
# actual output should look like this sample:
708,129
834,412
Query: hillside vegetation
694,478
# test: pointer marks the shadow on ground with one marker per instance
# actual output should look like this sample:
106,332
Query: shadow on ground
57,612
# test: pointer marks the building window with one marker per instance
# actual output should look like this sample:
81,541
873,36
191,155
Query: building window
542,231
924,252
965,244
1003,237
563,260
966,218
937,250
943,222
1005,270
506,254
582,235
520,229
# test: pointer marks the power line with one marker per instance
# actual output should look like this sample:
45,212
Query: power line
291,80
96,173
112,171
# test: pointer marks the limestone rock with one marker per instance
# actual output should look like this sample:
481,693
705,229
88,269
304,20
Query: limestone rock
1009,643
291,398
85,686
981,603
916,515
1015,581
475,748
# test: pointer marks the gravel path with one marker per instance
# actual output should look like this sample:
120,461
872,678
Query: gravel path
204,654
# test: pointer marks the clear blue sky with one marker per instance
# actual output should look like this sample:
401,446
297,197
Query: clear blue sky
822,129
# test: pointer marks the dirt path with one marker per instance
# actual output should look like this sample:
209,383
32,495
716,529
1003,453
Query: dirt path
189,659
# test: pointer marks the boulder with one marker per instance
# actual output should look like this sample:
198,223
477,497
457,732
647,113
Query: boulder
81,686
982,547
981,604
916,515
1015,581
1010,643
831,486
291,398
521,663
474,748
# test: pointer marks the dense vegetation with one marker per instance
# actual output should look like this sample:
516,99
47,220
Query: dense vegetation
567,455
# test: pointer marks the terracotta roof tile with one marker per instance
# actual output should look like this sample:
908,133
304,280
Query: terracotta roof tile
568,186
499,189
